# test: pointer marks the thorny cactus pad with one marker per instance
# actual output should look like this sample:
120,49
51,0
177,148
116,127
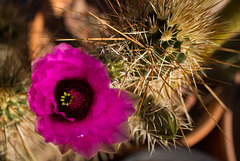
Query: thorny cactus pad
163,45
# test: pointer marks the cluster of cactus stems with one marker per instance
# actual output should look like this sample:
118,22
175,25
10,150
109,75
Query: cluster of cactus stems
159,55
14,114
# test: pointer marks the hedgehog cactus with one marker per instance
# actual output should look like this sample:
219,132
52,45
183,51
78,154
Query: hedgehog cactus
13,103
164,44
13,112
160,122
116,65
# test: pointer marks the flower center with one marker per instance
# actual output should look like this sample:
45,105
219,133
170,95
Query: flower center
73,97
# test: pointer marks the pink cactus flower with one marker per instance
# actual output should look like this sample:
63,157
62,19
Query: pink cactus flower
74,105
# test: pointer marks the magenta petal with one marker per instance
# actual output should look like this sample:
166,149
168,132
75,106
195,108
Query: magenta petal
120,104
97,75
61,47
82,50
37,62
99,105
38,107
116,134
54,129
55,110
87,146
102,122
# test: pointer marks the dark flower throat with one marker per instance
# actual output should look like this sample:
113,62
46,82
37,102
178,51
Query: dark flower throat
73,97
